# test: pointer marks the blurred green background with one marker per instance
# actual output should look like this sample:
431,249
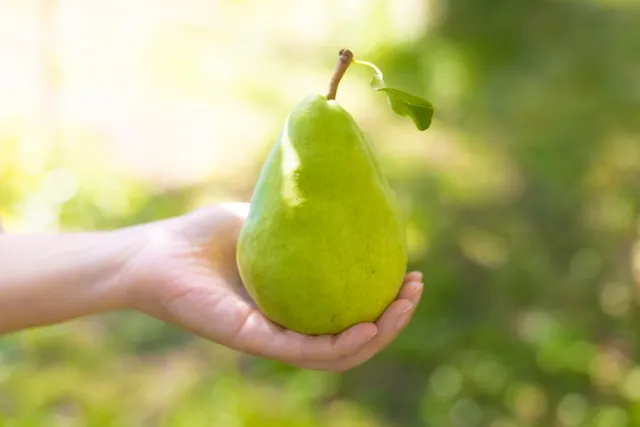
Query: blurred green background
523,201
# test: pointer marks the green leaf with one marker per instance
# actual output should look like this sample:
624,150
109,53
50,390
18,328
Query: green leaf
405,104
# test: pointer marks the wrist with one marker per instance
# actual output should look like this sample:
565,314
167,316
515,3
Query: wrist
123,272
100,268
135,270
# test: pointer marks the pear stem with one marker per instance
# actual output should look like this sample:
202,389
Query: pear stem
344,60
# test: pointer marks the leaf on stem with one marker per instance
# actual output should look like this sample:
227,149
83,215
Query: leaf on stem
406,105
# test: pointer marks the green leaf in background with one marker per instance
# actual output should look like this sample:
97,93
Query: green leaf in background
404,104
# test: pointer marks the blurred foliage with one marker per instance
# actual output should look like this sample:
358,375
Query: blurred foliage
523,201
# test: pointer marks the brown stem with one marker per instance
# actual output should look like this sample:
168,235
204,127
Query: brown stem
344,60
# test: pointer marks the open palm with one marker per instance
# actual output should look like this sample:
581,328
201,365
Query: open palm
186,274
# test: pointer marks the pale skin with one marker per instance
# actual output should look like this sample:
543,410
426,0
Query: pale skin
181,271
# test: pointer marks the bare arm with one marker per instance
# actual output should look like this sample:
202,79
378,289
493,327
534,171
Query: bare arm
46,279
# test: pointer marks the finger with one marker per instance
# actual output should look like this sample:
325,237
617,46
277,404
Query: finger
390,324
410,291
261,337
396,318
314,349
329,348
398,315
414,276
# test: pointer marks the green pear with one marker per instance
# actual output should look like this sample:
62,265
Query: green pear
323,247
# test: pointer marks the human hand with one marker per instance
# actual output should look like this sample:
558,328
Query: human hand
185,273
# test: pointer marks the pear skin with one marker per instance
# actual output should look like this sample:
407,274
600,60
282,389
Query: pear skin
323,247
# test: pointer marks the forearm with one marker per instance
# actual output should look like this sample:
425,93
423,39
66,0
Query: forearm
47,279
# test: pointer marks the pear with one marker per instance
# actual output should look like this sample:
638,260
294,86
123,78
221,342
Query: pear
323,247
